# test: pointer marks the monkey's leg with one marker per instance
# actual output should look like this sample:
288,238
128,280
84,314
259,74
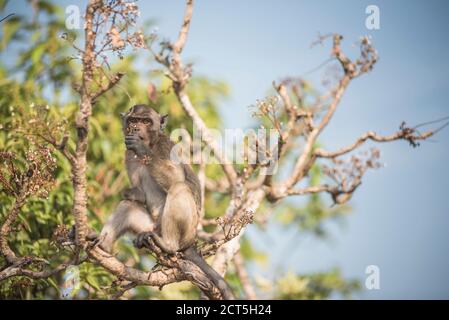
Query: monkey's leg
178,221
128,216
179,218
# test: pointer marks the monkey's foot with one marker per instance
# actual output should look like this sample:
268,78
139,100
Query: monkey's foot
142,240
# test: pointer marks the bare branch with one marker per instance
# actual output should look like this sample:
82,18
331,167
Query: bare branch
217,185
206,135
8,16
5,229
18,269
123,290
244,277
303,161
82,127
405,133
310,190
173,270
307,158
182,37
111,83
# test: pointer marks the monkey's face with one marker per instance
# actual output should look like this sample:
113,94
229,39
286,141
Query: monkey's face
140,126
144,122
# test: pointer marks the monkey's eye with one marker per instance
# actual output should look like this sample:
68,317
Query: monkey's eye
132,120
146,121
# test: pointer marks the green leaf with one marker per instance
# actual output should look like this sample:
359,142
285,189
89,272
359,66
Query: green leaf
37,53
54,285
10,29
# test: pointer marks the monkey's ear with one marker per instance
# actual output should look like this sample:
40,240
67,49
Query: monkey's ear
122,114
164,121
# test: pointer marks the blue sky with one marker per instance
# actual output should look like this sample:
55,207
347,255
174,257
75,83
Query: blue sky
400,220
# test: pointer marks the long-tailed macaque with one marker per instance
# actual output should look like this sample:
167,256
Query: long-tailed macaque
160,187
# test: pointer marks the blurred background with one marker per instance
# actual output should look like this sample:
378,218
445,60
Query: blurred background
397,220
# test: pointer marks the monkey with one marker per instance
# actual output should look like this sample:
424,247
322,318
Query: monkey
161,188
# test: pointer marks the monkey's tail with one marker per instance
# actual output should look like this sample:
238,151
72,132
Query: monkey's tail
192,255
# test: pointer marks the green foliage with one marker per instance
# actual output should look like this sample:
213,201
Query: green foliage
314,286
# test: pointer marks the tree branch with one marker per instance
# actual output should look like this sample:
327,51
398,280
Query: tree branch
17,269
404,134
303,161
5,229
307,158
82,127
245,280
111,83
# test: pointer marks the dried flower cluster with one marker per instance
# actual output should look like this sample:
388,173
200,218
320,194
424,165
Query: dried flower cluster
32,176
61,235
347,173
116,19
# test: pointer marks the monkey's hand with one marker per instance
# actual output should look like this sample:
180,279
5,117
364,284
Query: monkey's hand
142,239
138,145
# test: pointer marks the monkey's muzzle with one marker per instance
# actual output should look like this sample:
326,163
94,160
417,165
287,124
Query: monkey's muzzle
134,129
